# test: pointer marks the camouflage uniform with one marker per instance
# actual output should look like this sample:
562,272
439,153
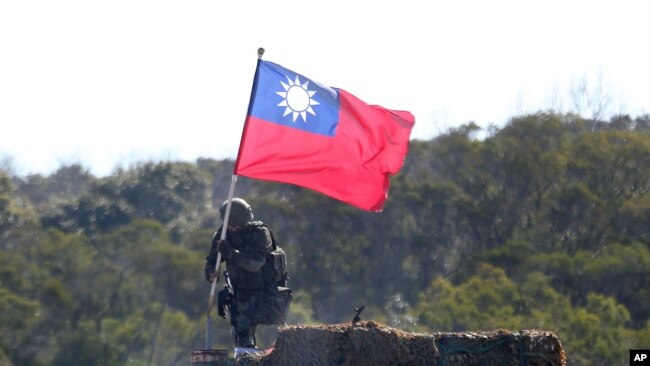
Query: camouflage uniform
244,252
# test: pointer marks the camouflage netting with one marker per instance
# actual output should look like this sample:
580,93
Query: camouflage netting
369,343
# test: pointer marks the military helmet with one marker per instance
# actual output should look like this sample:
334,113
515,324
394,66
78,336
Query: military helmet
240,212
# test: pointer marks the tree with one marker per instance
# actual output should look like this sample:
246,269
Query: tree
67,182
19,320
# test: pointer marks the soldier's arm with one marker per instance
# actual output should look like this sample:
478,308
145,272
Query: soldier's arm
252,260
211,259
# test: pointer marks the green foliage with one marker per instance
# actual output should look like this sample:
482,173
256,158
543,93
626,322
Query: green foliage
578,218
165,192
634,218
67,182
593,334
86,347
301,310
19,319
486,301
15,212
596,333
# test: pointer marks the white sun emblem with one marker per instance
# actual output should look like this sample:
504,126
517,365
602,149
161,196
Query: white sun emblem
296,97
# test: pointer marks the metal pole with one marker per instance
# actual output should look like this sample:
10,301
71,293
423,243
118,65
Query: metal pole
224,229
231,192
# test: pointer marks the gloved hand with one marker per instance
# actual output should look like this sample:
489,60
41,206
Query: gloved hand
211,276
226,250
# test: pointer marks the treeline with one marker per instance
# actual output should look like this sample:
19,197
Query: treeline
541,224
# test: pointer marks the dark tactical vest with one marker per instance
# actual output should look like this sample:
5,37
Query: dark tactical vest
253,239
272,278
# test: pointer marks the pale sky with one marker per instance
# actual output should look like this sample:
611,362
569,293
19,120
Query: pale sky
111,83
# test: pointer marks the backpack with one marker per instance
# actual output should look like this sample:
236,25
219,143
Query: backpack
277,296
274,271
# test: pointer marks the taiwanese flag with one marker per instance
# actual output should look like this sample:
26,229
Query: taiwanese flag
300,132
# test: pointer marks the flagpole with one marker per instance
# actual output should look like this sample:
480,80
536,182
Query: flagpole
224,229
226,216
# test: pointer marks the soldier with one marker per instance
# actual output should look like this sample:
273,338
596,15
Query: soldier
246,248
